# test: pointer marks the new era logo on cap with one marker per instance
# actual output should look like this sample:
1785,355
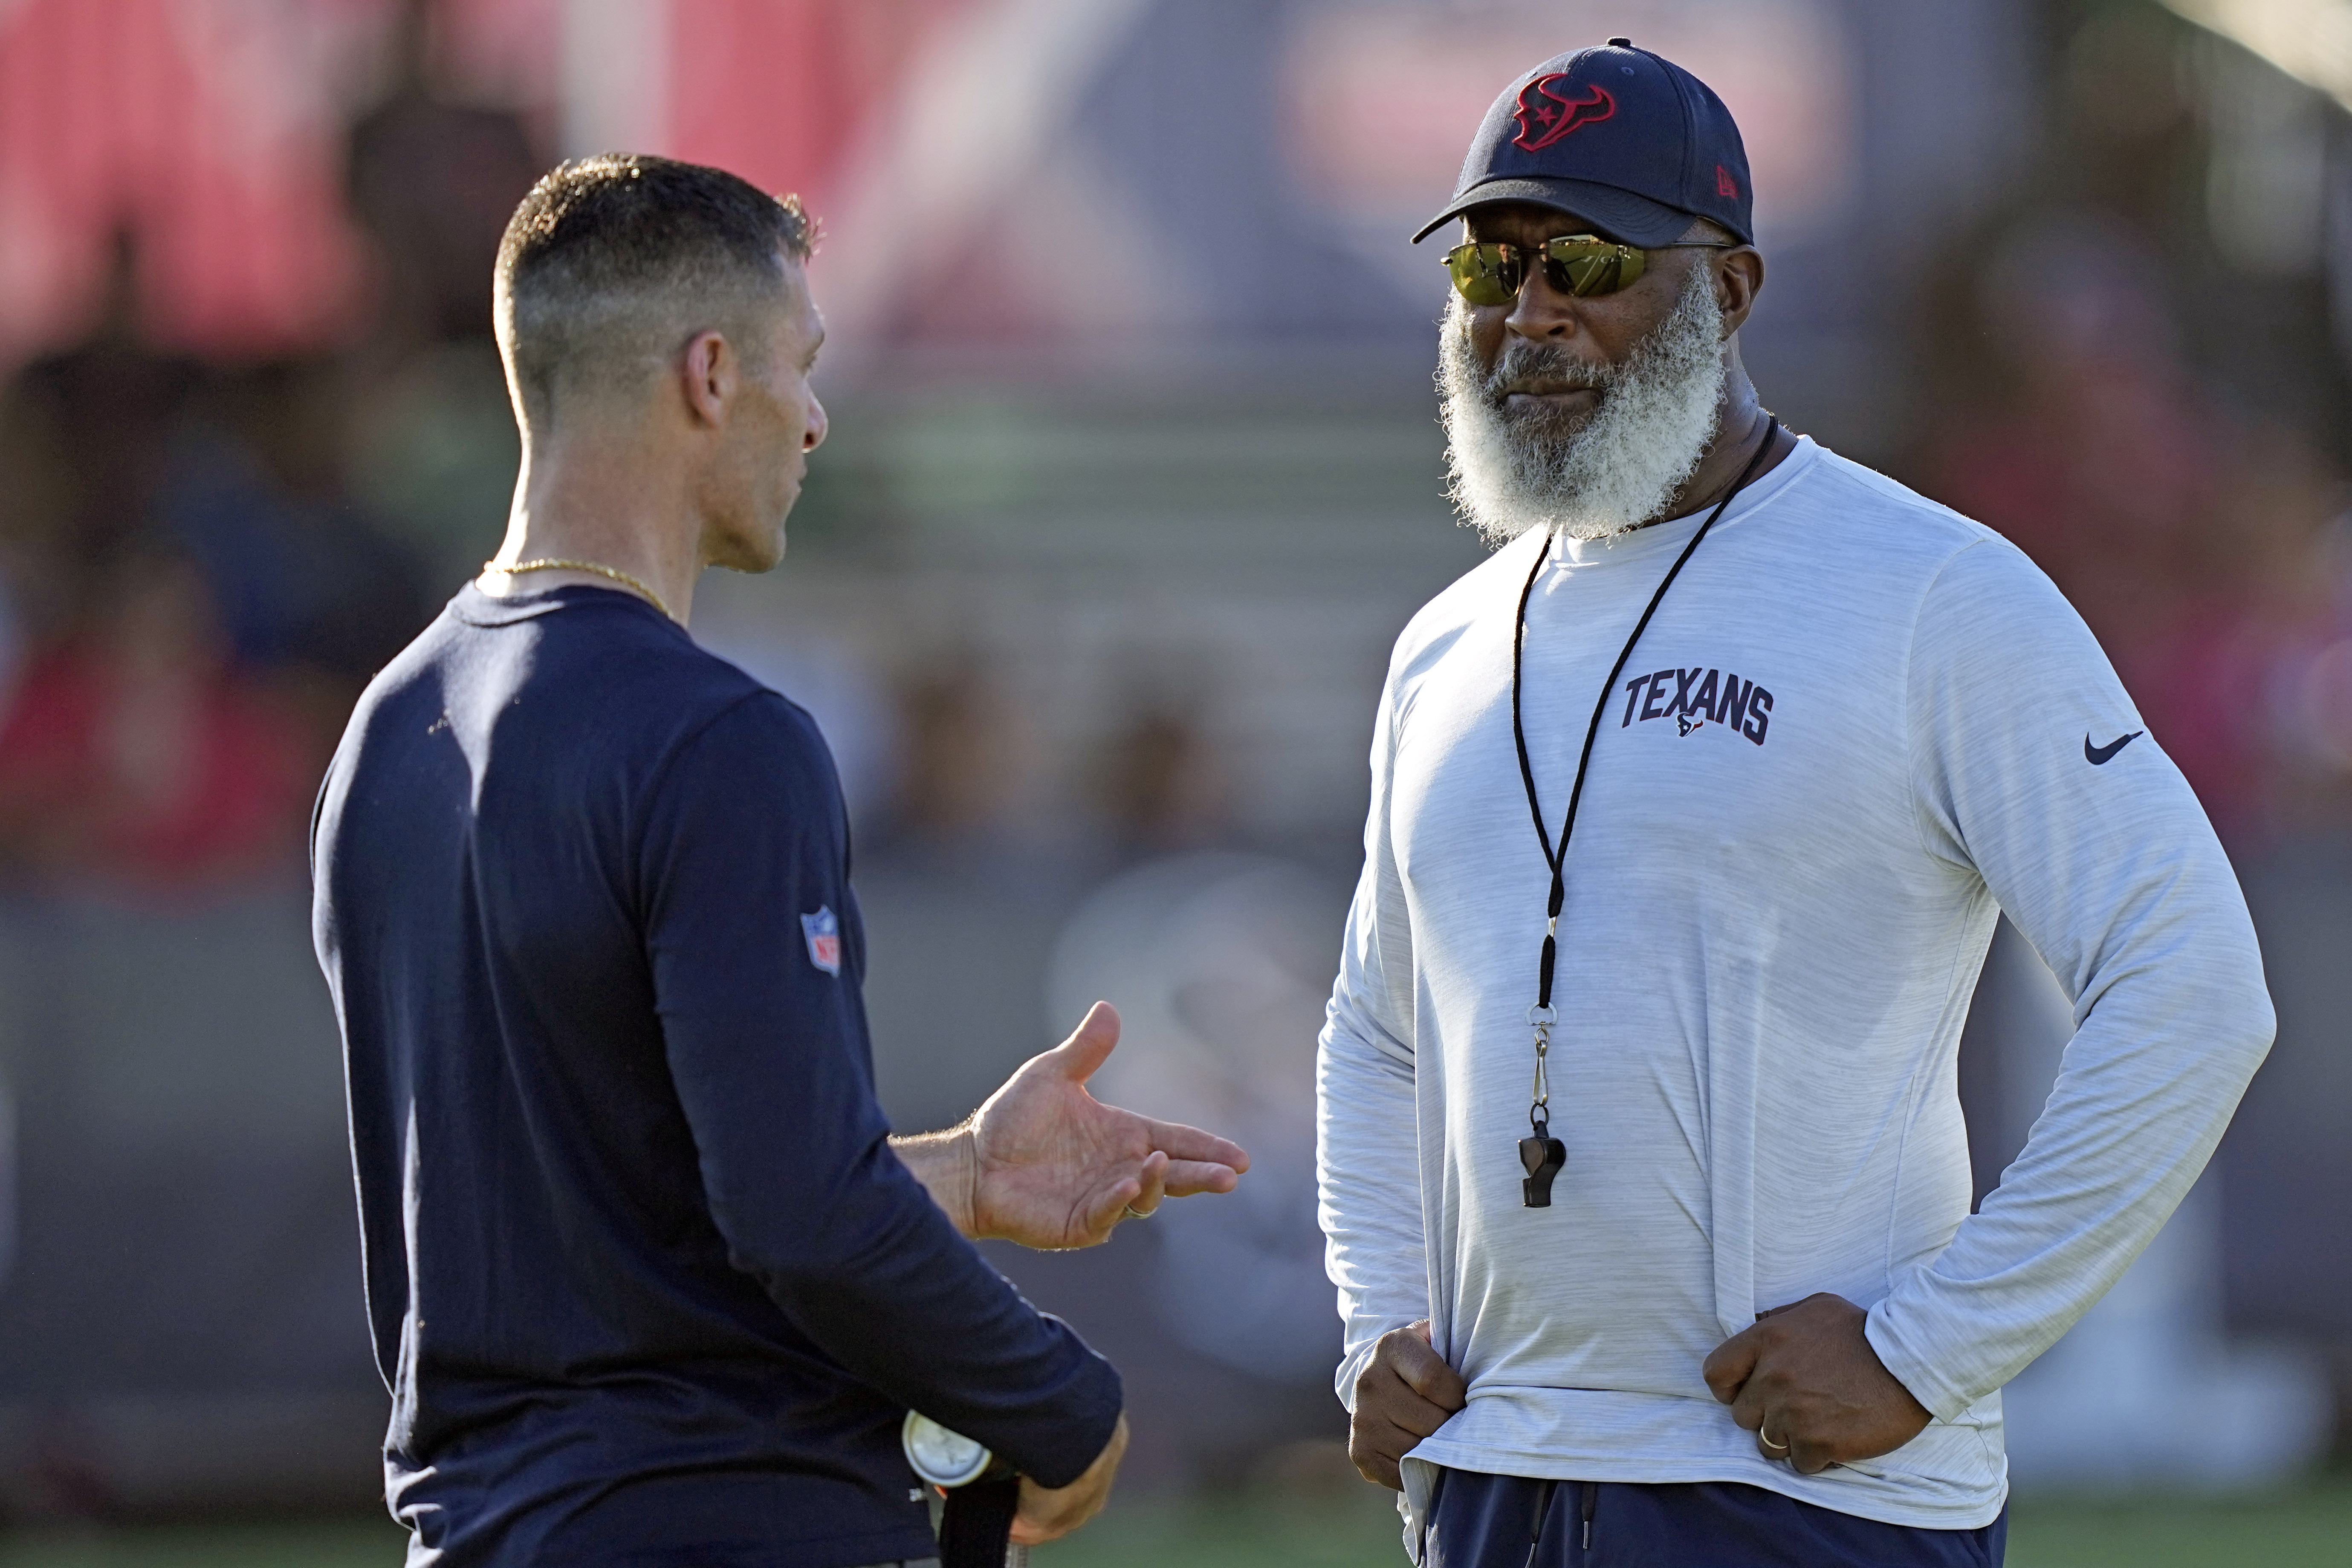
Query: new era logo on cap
1617,137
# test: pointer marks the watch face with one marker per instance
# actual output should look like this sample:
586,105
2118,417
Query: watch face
942,1457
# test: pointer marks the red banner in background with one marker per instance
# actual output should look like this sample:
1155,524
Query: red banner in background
205,135
209,136
780,91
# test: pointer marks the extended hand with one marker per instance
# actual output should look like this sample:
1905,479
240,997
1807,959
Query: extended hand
1052,1166
1806,1382
1405,1392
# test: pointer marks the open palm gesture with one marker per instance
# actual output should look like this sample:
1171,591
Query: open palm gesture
1054,1167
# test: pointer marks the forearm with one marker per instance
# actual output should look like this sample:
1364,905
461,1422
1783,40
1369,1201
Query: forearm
1369,1173
946,1164
876,1276
866,1259
2147,1088
1367,1154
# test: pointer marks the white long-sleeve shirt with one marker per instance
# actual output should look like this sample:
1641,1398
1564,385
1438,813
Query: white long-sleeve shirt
1857,725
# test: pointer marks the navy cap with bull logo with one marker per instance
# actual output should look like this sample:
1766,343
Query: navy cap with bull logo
1615,135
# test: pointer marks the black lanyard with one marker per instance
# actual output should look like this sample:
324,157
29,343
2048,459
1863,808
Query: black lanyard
1543,1155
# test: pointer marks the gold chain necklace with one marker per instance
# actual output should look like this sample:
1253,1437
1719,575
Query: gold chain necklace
551,564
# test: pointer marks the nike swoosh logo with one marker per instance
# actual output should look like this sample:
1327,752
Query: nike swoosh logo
2097,755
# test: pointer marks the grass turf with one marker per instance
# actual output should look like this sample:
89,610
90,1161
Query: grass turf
2311,1528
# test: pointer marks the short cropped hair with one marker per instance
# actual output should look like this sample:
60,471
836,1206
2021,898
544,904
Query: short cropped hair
612,263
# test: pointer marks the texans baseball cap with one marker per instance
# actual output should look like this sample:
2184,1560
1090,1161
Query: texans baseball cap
1616,135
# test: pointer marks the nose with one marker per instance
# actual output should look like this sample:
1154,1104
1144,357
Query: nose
1541,312
814,436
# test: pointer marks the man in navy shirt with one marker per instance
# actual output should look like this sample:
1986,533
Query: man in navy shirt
649,1279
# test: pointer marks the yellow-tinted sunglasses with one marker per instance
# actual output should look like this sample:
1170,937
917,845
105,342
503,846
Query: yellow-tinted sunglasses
1579,264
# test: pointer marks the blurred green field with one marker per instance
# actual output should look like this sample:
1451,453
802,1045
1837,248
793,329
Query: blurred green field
2306,1528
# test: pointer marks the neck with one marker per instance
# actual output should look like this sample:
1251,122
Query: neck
606,497
1741,421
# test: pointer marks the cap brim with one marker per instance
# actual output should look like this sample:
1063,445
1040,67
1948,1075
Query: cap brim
1619,214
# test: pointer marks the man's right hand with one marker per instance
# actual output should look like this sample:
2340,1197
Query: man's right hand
1048,1514
1405,1392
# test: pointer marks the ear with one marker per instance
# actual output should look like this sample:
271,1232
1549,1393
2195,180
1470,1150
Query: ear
1738,278
709,374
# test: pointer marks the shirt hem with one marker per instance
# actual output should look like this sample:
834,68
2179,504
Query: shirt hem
1641,1469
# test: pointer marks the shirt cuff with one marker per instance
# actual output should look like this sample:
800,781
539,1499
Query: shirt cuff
1059,1455
1912,1367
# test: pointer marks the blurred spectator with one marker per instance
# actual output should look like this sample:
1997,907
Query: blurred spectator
435,455
2183,536
2087,447
134,757
136,754
33,544
432,183
199,605
89,430
1158,782
2309,692
253,490
961,753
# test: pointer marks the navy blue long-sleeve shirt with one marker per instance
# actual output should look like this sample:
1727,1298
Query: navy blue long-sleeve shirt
647,1284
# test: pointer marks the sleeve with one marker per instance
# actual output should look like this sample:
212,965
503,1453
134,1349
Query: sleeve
744,835
1368,1164
2093,844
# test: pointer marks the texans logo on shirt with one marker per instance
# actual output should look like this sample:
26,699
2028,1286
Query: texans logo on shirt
1697,697
823,929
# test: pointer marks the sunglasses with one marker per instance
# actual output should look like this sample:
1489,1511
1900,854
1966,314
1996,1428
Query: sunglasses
1579,264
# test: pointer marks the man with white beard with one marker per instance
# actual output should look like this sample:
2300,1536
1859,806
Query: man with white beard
1652,1111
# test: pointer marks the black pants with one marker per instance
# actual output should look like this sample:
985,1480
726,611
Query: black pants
1509,1521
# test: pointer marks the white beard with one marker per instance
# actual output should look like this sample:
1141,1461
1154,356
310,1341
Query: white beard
1511,472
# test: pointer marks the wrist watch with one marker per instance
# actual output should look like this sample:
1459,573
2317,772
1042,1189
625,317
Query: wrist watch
983,1494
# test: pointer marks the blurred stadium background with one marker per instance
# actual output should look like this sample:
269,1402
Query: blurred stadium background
1134,475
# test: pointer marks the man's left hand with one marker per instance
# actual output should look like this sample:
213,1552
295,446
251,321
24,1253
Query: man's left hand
1806,1382
1045,1163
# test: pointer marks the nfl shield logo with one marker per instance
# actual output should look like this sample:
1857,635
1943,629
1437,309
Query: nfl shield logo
823,929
